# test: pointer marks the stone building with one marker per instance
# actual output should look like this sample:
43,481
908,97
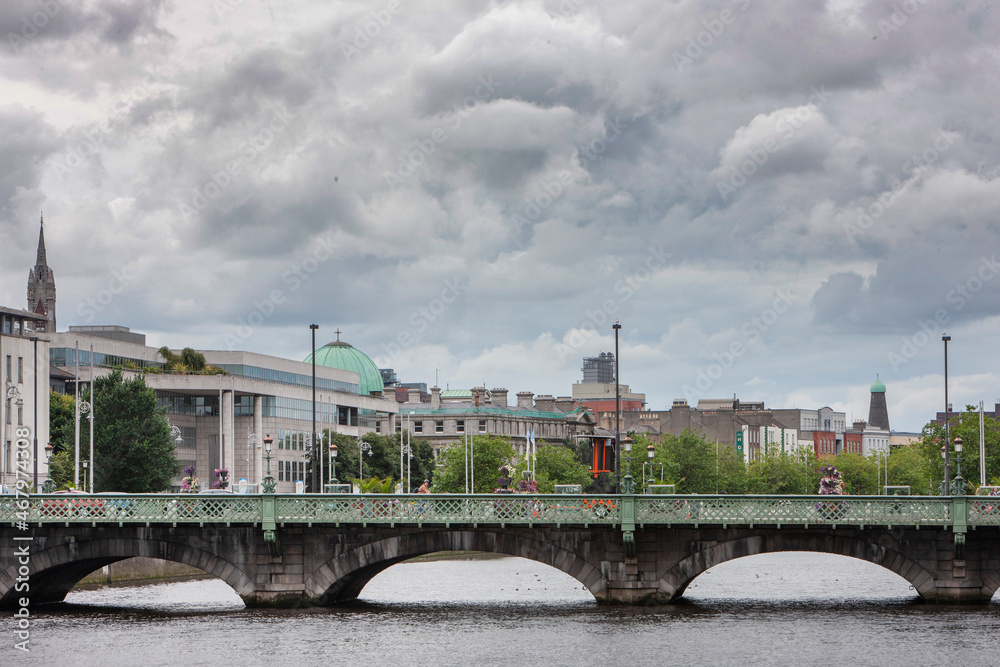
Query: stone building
42,288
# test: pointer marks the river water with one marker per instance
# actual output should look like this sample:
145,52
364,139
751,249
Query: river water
773,609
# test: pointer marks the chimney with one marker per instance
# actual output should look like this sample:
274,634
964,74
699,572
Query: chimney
545,403
413,396
524,399
500,397
435,398
478,396
565,403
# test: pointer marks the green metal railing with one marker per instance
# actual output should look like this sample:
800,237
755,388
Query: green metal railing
561,509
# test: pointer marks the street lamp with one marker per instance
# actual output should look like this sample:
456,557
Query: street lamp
958,484
11,393
628,484
268,480
947,410
49,485
315,445
618,412
333,463
85,466
362,448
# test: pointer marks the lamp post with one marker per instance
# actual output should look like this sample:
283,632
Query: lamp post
11,393
333,463
49,484
85,466
86,408
958,484
650,452
628,484
268,480
947,410
362,448
618,413
315,444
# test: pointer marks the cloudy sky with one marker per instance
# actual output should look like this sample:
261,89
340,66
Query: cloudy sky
777,200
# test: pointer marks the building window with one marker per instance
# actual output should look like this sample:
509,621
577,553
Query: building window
20,415
418,427
439,427
20,370
378,427
281,470
482,426
8,368
460,425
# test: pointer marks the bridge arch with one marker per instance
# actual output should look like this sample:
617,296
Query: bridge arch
677,578
64,563
343,577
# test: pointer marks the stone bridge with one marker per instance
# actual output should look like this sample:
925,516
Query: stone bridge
293,550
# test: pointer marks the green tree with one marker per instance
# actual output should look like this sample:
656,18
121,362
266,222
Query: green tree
860,474
555,464
382,462
62,419
908,466
781,473
132,446
490,452
966,426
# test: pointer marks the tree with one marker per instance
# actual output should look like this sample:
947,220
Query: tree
860,474
62,421
383,462
132,445
490,452
555,464
966,426
908,466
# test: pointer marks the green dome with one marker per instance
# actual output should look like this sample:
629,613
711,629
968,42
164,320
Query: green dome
348,358
878,387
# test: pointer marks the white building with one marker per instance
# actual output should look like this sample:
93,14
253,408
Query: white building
24,408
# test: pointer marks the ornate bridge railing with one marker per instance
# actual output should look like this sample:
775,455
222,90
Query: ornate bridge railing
625,511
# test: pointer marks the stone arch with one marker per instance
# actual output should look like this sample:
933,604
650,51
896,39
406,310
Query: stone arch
677,578
343,577
58,567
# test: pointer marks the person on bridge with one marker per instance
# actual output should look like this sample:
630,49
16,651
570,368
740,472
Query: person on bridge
425,487
831,484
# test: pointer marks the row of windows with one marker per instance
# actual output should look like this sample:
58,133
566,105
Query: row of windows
20,369
291,471
292,439
504,427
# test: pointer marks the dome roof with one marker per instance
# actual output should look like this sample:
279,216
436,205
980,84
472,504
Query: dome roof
348,358
878,387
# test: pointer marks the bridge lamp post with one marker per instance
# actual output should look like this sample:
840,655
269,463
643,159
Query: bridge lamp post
362,448
628,484
85,464
946,485
333,463
268,480
11,393
958,484
618,413
47,487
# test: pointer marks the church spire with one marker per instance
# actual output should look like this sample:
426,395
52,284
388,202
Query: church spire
40,260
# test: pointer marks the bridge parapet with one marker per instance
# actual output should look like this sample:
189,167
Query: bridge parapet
522,509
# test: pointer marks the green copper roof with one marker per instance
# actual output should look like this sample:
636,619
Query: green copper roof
456,393
346,357
878,387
